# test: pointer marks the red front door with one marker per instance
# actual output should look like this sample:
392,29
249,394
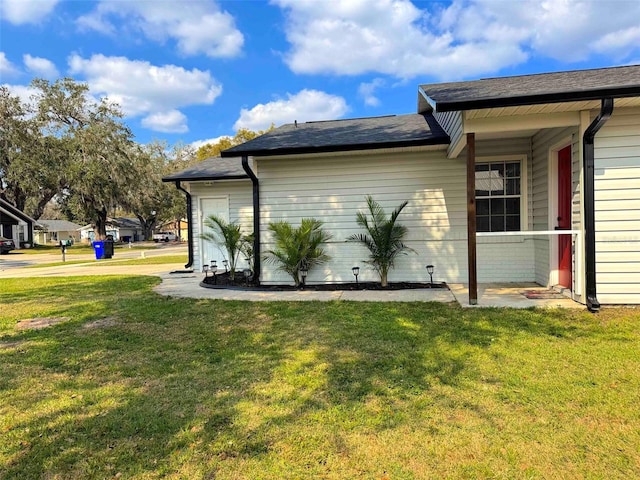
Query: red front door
564,216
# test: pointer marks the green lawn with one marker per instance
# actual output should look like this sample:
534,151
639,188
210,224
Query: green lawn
199,389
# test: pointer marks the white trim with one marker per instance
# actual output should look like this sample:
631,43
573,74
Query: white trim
552,195
529,232
515,123
524,182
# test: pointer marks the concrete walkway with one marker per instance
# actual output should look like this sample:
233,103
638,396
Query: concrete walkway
187,286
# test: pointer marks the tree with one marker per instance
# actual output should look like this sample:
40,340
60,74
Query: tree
97,145
148,198
242,135
298,248
227,235
181,157
32,164
383,238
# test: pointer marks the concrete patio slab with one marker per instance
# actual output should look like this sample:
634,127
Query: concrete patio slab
508,295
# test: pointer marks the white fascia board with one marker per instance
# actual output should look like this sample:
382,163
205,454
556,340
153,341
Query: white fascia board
425,103
521,122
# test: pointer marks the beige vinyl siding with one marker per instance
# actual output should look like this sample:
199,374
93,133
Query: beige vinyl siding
240,196
333,188
541,144
617,208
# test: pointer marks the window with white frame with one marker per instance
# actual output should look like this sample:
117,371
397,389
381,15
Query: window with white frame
498,196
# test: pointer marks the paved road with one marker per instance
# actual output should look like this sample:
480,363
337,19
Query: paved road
14,263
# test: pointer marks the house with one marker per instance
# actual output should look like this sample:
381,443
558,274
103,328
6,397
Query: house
179,228
16,225
122,229
517,179
54,231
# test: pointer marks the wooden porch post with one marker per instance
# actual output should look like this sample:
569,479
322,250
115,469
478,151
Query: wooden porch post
471,218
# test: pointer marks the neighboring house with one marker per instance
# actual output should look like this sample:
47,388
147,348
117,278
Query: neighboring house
179,229
518,179
122,229
54,231
16,225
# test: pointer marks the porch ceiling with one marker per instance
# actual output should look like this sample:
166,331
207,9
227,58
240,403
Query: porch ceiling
548,108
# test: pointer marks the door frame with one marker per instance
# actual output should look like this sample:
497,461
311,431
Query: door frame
552,195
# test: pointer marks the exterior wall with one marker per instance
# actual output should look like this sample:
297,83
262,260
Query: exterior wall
617,208
541,144
332,188
240,197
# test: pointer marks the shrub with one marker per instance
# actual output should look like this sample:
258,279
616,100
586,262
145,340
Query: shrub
298,248
383,238
227,236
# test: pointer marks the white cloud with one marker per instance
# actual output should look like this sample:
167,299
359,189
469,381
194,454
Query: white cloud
303,106
466,39
198,143
6,67
20,12
24,92
367,91
197,26
141,88
171,121
40,66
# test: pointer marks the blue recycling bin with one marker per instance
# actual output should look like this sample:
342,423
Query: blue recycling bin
98,247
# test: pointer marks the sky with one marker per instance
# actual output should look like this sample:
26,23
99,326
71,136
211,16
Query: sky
196,70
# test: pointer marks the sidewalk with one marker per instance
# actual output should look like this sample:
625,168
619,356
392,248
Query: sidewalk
187,286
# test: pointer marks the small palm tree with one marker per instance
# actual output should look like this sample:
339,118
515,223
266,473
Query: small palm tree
298,248
227,235
383,238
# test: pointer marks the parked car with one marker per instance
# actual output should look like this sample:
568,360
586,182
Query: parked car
164,237
6,245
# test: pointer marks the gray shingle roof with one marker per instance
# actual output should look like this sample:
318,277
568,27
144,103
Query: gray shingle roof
214,168
345,135
58,225
531,89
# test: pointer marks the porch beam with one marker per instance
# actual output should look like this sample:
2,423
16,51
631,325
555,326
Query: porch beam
471,219
513,123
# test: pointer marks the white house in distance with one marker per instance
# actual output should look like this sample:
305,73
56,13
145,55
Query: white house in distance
122,229
517,179
55,231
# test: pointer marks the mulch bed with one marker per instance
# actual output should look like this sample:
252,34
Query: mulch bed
222,281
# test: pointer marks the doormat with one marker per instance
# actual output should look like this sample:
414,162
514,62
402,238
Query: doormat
543,295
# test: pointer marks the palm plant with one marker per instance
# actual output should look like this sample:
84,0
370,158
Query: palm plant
226,235
383,238
298,248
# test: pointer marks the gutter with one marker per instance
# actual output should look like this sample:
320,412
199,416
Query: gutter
189,224
606,109
256,218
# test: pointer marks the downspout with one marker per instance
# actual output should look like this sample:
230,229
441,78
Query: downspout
189,224
606,109
256,218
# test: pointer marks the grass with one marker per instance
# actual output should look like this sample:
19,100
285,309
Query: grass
203,389
154,260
